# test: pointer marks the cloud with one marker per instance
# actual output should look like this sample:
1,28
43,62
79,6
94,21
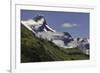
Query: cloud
69,25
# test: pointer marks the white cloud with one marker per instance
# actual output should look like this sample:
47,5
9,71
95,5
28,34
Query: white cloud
69,25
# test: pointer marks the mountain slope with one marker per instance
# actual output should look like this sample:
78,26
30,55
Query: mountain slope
34,49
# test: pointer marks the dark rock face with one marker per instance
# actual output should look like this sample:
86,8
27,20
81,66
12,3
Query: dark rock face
43,26
67,38
37,18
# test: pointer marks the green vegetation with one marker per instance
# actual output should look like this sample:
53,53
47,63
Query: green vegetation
34,49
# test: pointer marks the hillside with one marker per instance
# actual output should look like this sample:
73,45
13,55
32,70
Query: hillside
34,49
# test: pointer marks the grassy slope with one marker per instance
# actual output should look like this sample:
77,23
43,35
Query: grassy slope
34,49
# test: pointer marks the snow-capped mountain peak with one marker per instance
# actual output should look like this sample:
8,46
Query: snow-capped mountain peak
38,24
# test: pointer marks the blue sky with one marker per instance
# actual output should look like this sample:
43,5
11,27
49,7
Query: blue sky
76,23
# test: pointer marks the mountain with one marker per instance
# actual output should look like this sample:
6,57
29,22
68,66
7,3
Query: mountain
34,49
81,43
42,30
37,24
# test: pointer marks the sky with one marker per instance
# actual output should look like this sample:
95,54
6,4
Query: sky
75,23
